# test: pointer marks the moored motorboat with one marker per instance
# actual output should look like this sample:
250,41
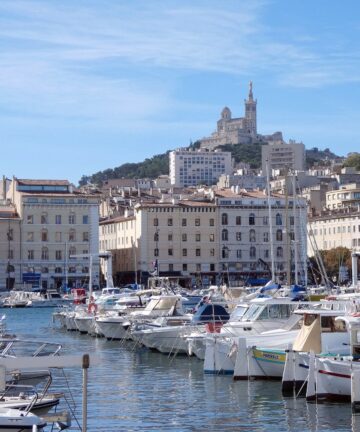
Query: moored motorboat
14,420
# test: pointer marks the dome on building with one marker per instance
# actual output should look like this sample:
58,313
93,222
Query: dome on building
226,113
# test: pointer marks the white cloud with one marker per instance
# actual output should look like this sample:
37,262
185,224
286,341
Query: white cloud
67,58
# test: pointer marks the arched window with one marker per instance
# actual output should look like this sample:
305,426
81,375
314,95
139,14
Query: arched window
252,235
279,252
224,235
251,219
278,219
279,235
44,253
253,252
224,219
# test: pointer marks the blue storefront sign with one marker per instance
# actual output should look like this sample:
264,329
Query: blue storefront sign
31,278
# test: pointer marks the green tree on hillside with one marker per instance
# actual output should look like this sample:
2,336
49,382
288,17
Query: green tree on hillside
353,161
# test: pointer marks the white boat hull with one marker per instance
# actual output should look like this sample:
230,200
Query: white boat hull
112,330
84,324
166,340
12,420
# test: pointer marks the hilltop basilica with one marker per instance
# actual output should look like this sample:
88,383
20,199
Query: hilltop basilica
242,130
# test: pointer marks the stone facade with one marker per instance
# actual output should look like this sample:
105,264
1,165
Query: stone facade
335,228
227,237
10,249
241,130
56,223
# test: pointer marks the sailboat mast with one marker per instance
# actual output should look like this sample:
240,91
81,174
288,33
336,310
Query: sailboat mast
273,277
90,276
296,235
287,233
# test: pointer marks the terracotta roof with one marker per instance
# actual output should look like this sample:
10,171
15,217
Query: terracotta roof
61,194
43,182
184,203
227,193
8,213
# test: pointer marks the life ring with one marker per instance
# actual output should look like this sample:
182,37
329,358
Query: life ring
92,308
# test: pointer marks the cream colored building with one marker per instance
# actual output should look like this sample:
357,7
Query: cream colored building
57,223
225,238
346,196
9,245
333,229
118,236
181,236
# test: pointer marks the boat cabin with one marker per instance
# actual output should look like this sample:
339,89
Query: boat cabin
163,305
321,332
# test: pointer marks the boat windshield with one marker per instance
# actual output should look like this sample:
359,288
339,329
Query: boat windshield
252,312
239,312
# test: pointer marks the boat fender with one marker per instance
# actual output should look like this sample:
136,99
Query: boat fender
356,314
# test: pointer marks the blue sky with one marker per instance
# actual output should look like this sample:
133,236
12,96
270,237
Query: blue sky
90,85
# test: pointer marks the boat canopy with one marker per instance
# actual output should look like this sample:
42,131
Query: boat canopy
211,313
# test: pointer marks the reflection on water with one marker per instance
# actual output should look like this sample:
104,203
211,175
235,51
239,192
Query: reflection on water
134,389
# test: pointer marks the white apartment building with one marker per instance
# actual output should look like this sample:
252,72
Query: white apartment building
335,228
282,156
192,168
57,223
242,181
345,196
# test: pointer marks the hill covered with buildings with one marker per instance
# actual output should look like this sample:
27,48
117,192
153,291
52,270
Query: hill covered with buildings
237,135
159,164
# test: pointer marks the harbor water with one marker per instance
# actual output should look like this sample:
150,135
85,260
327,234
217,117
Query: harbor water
134,389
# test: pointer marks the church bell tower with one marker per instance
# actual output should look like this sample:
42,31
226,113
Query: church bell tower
250,112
